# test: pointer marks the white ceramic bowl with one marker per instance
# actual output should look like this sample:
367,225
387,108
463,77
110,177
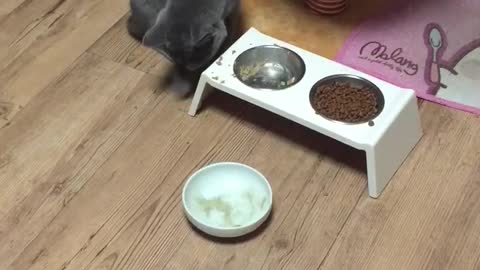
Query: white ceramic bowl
227,199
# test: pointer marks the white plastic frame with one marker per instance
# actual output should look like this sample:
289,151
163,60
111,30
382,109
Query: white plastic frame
387,144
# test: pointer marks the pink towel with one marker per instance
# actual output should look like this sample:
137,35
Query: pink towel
431,46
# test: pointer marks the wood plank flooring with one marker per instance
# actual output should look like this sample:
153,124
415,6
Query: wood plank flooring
95,146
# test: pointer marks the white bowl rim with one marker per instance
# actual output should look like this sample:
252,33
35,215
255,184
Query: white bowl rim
247,225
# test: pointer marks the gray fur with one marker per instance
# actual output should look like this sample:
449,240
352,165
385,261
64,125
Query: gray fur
190,33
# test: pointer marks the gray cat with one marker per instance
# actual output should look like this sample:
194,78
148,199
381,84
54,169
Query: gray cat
190,33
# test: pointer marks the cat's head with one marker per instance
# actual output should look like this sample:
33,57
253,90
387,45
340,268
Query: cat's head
187,43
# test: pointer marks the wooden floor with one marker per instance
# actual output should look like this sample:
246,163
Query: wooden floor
95,147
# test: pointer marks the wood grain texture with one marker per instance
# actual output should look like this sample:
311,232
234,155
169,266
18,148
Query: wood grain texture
118,46
8,5
95,146
54,147
39,39
428,218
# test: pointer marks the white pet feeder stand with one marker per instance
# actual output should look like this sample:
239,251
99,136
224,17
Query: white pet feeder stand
387,144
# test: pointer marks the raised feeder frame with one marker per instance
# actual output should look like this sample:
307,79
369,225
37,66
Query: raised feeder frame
396,130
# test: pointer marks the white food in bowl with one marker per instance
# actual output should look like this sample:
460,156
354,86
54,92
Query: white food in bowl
227,199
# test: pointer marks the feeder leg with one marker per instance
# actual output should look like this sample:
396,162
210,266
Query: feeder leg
199,95
390,151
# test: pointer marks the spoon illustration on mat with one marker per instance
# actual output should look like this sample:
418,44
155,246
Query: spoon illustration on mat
455,78
436,43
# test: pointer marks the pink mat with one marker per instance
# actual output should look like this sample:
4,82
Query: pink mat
431,46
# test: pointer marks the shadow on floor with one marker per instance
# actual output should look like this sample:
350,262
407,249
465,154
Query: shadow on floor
289,130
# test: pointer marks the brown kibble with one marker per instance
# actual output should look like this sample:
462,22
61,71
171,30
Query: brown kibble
342,102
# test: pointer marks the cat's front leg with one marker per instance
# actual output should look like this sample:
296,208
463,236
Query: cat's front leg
183,82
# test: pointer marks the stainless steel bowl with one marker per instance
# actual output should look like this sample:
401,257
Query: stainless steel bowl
269,67
355,81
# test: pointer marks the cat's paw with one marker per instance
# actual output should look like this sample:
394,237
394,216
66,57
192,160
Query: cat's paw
181,85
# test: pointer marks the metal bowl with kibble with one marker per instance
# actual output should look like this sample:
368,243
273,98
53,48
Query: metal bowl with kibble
347,99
